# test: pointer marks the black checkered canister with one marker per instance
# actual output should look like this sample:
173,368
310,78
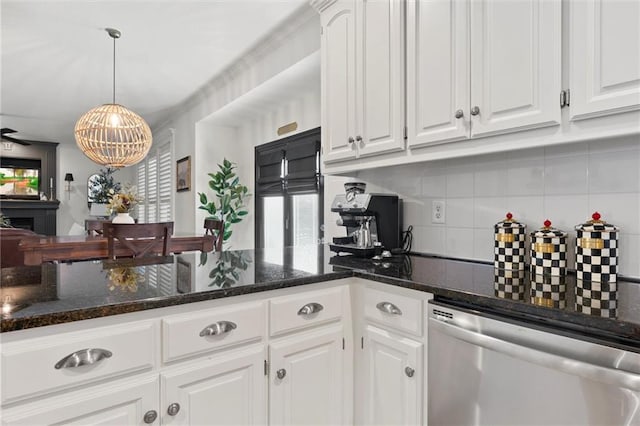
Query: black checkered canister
597,251
548,251
509,244
509,284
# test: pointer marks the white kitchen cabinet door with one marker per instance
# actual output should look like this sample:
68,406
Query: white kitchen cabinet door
438,84
380,76
392,394
306,378
226,390
515,65
338,68
119,403
605,57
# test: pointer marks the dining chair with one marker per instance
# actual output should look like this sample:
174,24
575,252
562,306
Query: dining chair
215,227
139,238
93,227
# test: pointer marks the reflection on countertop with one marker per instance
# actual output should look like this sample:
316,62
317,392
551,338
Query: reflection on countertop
58,293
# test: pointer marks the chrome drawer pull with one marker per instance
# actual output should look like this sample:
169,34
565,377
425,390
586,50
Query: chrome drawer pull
83,357
409,371
310,308
281,373
218,328
389,308
150,416
173,409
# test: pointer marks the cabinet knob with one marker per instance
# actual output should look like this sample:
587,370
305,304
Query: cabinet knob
281,373
173,409
351,140
150,416
459,113
475,110
409,371
83,357
358,138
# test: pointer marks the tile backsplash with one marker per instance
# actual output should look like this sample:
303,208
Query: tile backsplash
564,184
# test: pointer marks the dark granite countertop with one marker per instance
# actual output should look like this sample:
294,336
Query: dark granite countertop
64,292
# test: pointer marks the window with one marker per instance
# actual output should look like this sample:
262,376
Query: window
155,186
289,197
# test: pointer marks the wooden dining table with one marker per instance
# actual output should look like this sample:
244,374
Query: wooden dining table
69,248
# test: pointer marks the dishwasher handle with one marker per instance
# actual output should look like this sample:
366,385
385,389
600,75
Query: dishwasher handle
575,367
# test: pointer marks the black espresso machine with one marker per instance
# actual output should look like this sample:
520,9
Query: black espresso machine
372,222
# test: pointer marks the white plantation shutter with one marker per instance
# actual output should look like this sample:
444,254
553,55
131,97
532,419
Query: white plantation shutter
155,185
165,186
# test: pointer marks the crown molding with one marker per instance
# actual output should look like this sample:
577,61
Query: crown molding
321,5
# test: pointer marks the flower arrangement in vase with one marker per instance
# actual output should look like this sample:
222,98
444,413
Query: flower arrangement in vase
122,203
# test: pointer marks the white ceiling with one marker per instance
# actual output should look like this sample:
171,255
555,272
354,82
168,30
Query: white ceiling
56,58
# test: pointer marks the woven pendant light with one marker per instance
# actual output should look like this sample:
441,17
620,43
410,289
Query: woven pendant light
112,135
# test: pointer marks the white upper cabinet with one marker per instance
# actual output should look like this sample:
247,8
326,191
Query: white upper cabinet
515,65
380,76
605,57
481,68
362,54
338,69
438,94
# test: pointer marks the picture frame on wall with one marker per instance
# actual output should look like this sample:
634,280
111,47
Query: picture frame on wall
183,174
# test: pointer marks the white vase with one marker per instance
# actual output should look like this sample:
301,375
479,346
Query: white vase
123,218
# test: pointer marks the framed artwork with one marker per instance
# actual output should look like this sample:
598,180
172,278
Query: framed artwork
183,276
183,174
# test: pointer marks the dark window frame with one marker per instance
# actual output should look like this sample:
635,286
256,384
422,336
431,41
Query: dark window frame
287,185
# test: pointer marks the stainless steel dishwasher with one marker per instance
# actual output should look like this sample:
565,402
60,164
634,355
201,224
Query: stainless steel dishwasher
484,370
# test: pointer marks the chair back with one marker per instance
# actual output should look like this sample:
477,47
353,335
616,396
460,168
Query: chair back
139,238
94,226
215,227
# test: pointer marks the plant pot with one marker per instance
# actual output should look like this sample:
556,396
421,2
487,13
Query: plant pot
123,218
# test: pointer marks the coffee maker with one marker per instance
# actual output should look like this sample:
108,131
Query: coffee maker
372,221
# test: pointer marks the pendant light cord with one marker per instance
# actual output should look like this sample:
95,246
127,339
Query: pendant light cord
114,70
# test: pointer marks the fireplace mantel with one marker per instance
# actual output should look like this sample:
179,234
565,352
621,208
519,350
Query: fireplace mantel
43,213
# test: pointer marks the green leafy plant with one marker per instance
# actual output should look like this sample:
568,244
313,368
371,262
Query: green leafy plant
227,270
230,196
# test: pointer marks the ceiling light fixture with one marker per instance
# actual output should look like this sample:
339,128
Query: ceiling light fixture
112,135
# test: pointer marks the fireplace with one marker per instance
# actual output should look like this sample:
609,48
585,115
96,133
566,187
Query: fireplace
39,216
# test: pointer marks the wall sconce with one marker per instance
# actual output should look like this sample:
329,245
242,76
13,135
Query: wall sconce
68,178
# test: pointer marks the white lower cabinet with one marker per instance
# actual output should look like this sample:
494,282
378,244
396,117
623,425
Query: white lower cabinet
229,389
307,378
124,402
393,371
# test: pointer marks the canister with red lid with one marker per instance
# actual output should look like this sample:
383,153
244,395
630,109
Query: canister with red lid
509,244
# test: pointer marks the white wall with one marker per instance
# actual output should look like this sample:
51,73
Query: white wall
291,43
564,184
73,206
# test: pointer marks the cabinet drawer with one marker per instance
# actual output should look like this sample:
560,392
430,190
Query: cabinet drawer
396,311
289,313
189,334
37,366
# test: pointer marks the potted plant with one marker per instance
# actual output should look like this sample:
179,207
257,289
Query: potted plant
101,186
230,196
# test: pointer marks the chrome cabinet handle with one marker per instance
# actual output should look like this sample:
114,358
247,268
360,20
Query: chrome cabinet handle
281,373
351,140
173,409
310,308
358,138
389,308
218,328
475,110
83,357
409,371
150,416
459,113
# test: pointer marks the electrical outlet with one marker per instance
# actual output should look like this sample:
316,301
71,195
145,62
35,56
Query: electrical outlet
437,211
